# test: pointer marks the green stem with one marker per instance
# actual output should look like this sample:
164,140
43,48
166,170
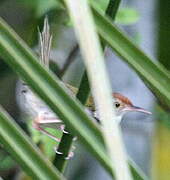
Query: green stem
112,8
64,147
84,89
67,139
82,95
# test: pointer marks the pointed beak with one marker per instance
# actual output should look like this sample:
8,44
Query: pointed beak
135,108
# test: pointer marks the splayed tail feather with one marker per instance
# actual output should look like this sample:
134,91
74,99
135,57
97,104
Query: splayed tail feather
45,39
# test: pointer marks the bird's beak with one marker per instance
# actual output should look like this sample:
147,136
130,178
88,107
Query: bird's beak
135,108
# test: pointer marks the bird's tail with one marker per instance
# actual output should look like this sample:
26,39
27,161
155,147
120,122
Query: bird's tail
45,39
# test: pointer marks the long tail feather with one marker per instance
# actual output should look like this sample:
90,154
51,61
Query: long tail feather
45,43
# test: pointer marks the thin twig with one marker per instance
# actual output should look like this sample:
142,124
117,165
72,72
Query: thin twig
69,60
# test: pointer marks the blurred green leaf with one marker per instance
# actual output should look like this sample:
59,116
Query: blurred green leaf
43,6
127,16
17,143
101,4
6,162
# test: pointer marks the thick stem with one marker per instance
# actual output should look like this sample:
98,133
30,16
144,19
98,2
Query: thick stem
82,95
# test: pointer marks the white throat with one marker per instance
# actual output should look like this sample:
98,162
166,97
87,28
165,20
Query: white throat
118,118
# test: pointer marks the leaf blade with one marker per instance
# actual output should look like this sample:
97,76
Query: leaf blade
27,155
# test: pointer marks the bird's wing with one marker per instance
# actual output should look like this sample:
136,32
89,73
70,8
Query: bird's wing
89,103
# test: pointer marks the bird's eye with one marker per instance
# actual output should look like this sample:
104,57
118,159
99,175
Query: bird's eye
117,104
23,91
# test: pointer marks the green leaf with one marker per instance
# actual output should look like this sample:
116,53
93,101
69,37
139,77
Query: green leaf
25,153
127,16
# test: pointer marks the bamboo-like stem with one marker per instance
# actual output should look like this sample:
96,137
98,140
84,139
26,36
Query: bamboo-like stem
84,90
91,51
112,9
64,147
67,139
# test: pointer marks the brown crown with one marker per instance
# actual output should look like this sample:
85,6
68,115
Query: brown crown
122,98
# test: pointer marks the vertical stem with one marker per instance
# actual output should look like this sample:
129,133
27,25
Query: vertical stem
101,90
82,95
112,8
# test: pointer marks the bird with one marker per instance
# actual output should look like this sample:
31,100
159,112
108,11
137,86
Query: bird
44,117
123,105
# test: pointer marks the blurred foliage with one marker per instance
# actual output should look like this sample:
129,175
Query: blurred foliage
6,161
161,149
127,16
56,13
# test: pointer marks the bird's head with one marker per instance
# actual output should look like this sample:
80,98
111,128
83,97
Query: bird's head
123,105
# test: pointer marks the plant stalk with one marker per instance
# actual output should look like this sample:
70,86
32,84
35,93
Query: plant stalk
82,95
66,142
101,90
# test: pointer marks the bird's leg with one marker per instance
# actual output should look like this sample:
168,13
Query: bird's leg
41,121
